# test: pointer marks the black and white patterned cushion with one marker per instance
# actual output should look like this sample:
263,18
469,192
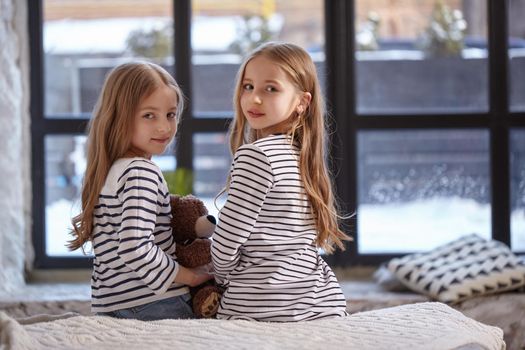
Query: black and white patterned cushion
467,267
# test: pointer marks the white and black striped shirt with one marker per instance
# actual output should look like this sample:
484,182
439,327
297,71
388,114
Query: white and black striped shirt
134,248
263,248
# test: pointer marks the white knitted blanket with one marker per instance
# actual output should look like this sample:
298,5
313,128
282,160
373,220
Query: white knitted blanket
415,326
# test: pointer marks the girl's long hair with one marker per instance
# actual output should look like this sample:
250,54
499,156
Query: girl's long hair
110,131
307,130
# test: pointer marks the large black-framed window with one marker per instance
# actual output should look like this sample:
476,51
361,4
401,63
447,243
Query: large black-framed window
498,127
497,123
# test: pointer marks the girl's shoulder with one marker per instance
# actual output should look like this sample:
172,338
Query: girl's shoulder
267,143
137,162
124,166
272,140
266,149
279,144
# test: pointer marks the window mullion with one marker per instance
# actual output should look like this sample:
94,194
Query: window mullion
499,115
182,45
37,130
339,19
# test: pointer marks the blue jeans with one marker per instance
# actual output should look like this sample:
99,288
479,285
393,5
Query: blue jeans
175,307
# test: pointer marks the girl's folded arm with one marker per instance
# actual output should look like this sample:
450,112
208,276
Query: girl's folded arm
251,179
140,193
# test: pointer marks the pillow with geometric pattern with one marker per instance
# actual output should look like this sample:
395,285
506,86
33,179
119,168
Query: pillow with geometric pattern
464,268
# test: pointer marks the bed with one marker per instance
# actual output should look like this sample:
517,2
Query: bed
429,325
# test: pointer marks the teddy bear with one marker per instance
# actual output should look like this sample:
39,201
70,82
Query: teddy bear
191,228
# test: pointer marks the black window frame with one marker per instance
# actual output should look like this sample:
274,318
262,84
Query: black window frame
341,95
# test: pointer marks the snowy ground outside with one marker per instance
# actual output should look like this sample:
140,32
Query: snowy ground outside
392,228
419,225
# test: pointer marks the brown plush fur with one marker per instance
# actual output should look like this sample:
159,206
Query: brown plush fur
191,227
185,210
197,253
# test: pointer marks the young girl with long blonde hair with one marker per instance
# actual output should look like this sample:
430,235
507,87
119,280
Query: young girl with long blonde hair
125,200
280,208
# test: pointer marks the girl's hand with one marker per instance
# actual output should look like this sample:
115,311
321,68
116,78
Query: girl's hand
208,267
192,277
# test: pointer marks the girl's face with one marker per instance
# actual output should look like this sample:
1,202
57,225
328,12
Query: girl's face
268,97
155,123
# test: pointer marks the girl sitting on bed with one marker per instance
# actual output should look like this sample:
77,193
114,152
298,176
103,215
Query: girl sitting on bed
125,200
280,208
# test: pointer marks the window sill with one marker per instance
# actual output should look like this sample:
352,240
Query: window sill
46,298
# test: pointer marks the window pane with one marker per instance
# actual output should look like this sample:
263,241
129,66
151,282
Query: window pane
223,32
419,189
65,162
211,164
421,56
517,183
517,54
84,39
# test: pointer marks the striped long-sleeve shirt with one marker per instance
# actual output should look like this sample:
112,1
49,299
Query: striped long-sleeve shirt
263,248
134,248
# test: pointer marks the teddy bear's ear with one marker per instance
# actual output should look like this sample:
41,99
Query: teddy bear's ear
197,205
174,200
